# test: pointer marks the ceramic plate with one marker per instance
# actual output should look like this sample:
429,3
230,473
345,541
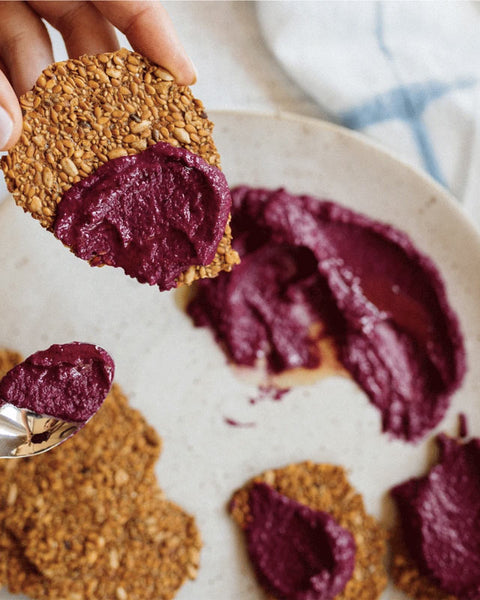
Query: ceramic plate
179,378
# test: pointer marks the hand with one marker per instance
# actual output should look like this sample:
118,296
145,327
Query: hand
87,28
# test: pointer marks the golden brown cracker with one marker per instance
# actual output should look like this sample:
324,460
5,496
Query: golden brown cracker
87,519
325,488
94,478
158,550
83,112
8,492
8,360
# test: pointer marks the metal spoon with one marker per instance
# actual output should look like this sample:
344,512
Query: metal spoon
26,433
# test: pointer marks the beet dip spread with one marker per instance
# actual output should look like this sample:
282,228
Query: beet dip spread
154,214
440,517
298,553
305,262
66,381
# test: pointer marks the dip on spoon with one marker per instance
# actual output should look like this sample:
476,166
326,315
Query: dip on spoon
51,395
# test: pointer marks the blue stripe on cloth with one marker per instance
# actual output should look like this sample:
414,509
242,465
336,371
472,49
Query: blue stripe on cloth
379,31
405,102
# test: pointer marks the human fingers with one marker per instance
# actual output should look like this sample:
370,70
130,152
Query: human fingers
150,31
10,114
84,29
25,50
25,47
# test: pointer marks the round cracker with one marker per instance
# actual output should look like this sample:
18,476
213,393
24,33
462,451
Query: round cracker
83,112
326,488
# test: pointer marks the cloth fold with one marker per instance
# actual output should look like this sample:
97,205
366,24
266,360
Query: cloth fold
405,73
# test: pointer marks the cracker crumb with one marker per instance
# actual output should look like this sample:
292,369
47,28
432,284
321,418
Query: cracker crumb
8,360
407,577
88,521
325,488
83,112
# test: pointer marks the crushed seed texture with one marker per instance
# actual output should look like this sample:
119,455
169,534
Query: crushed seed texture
88,520
8,488
83,112
407,577
325,488
8,360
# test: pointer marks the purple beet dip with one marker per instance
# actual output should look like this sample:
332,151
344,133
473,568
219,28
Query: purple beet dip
66,381
440,517
306,261
154,214
298,553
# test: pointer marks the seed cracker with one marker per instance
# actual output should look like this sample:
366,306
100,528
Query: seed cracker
87,520
407,577
113,464
83,112
8,360
325,487
149,562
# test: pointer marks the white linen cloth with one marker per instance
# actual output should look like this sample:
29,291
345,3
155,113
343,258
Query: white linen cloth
405,73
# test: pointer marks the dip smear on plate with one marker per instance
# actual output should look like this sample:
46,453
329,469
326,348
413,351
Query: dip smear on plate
438,548
313,270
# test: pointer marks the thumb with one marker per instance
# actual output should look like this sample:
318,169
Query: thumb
10,114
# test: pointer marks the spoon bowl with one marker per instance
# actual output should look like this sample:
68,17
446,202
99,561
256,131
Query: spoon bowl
25,433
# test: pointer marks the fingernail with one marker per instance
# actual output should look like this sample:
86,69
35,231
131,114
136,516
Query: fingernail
6,127
195,72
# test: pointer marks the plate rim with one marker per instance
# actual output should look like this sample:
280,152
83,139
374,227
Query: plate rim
362,139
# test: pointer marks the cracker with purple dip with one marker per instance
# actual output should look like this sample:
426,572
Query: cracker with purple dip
322,488
437,542
84,113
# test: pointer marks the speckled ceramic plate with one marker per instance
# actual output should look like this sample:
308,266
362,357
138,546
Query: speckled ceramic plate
179,378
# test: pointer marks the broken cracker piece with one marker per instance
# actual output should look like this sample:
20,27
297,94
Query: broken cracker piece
8,487
158,550
324,487
407,577
88,521
8,360
96,480
84,112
